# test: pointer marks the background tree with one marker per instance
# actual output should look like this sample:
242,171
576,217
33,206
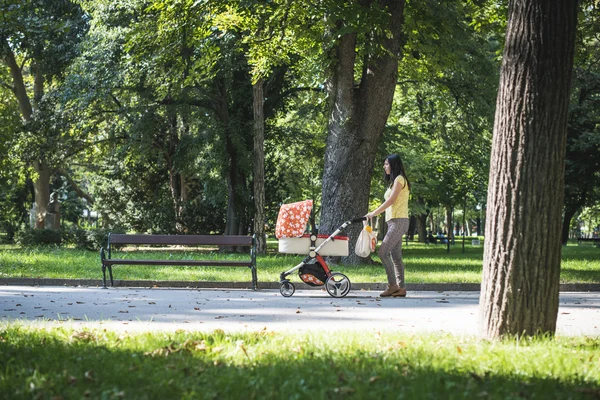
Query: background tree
364,42
522,248
582,174
38,39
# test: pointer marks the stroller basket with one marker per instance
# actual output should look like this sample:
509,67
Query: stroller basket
301,245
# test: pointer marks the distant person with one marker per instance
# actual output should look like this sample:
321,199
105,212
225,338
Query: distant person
396,216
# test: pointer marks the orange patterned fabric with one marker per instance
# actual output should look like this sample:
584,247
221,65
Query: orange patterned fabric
311,279
292,219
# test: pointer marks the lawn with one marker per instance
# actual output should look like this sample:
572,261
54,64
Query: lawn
424,264
70,364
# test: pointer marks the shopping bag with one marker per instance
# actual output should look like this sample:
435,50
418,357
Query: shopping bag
367,240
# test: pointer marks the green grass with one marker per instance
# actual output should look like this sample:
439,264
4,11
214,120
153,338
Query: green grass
424,264
71,364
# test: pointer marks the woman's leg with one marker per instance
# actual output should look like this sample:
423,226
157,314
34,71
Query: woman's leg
390,251
402,226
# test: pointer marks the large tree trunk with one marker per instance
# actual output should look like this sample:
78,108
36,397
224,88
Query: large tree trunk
358,116
522,237
259,168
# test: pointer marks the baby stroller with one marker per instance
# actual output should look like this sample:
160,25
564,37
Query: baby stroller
313,270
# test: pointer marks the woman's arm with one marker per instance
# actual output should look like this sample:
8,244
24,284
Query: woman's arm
396,189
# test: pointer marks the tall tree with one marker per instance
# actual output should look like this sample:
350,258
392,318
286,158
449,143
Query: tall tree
38,39
525,195
366,36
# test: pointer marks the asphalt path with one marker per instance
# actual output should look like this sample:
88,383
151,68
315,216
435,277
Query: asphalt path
170,309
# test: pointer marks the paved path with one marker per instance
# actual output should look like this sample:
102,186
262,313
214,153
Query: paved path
152,309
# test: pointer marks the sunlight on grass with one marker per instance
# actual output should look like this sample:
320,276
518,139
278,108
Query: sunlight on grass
269,365
424,264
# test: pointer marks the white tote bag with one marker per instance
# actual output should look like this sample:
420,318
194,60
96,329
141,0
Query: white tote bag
367,240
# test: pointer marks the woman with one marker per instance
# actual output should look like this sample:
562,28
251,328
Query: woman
396,216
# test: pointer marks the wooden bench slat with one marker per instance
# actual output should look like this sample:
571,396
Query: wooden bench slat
179,262
215,240
183,240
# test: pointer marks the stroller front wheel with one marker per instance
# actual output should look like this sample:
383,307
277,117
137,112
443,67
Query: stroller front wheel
287,288
337,285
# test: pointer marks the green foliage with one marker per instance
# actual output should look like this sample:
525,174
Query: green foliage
92,239
442,116
46,32
39,237
582,165
79,238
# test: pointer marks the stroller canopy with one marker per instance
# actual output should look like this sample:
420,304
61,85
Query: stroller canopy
292,219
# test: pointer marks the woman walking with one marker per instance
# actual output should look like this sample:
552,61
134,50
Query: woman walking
396,216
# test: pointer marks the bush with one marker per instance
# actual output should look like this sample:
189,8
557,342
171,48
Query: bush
80,238
38,237
86,239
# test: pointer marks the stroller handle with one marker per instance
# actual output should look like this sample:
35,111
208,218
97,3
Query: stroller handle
359,219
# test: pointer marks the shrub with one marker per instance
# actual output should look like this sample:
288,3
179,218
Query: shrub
86,239
38,237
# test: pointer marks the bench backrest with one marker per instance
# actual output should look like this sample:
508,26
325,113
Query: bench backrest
215,240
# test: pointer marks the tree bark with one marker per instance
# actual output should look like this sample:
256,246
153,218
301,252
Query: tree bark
357,118
41,185
522,236
259,168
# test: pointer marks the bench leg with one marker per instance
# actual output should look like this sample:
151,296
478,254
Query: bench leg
112,284
104,277
254,278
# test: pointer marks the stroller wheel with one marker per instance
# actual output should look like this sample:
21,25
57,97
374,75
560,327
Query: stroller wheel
287,288
337,285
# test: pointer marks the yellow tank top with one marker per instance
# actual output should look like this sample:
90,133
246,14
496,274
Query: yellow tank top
399,209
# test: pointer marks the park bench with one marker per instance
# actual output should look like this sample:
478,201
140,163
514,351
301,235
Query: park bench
594,241
178,240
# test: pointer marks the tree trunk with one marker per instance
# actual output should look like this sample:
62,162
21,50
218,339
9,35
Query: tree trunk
522,236
422,227
18,88
41,186
568,214
358,116
412,226
449,225
259,168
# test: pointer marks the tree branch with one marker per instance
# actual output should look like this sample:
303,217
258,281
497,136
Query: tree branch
75,186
